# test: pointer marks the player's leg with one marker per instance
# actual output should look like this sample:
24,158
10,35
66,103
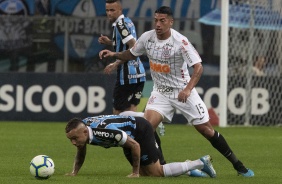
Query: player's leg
161,129
154,117
153,169
179,168
132,113
149,163
158,109
160,151
136,91
148,144
199,117
161,126
118,99
218,142
126,97
157,138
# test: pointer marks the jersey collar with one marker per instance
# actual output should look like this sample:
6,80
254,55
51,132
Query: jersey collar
120,17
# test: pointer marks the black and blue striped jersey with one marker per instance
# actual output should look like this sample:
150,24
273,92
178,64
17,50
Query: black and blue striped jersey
110,130
113,130
133,71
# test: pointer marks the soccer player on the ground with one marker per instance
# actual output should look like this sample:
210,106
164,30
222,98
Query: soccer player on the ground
136,136
169,53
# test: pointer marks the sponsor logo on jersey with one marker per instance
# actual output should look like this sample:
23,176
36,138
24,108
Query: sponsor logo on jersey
136,76
160,68
103,134
164,89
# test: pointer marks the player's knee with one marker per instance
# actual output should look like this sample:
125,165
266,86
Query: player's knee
155,170
153,118
205,129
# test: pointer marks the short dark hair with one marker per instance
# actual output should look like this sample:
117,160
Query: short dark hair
164,10
112,1
72,124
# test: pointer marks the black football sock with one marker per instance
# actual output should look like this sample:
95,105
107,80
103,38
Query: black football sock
161,156
240,167
219,143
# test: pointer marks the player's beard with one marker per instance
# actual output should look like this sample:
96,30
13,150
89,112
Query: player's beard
162,34
158,31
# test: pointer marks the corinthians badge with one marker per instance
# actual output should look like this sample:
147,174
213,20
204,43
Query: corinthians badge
166,51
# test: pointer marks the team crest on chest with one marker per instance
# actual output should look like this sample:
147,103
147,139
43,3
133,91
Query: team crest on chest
166,51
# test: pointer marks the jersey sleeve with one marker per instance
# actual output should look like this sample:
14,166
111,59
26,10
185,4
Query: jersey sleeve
109,137
139,47
189,53
124,31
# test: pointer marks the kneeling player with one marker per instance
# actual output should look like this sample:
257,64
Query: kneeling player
136,136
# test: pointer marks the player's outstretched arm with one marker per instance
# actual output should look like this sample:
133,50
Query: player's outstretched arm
135,154
79,160
112,66
123,56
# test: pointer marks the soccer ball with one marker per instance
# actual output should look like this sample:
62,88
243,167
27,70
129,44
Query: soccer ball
42,167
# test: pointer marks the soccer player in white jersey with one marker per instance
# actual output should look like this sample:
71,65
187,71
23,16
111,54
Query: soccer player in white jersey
170,53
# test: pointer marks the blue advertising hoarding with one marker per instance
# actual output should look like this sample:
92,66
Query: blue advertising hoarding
59,97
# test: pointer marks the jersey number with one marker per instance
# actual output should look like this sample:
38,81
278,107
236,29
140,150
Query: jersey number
200,109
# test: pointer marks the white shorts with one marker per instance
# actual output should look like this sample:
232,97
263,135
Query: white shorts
194,110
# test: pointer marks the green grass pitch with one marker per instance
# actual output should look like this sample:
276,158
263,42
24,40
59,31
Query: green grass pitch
260,148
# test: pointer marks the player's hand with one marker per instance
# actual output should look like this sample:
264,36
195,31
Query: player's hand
105,54
133,175
104,40
183,95
109,68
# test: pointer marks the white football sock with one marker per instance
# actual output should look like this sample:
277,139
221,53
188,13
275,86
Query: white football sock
132,113
179,168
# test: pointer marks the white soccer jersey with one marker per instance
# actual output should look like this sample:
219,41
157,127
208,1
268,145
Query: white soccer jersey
168,60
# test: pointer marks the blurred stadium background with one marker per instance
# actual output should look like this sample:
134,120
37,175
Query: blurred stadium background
50,71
